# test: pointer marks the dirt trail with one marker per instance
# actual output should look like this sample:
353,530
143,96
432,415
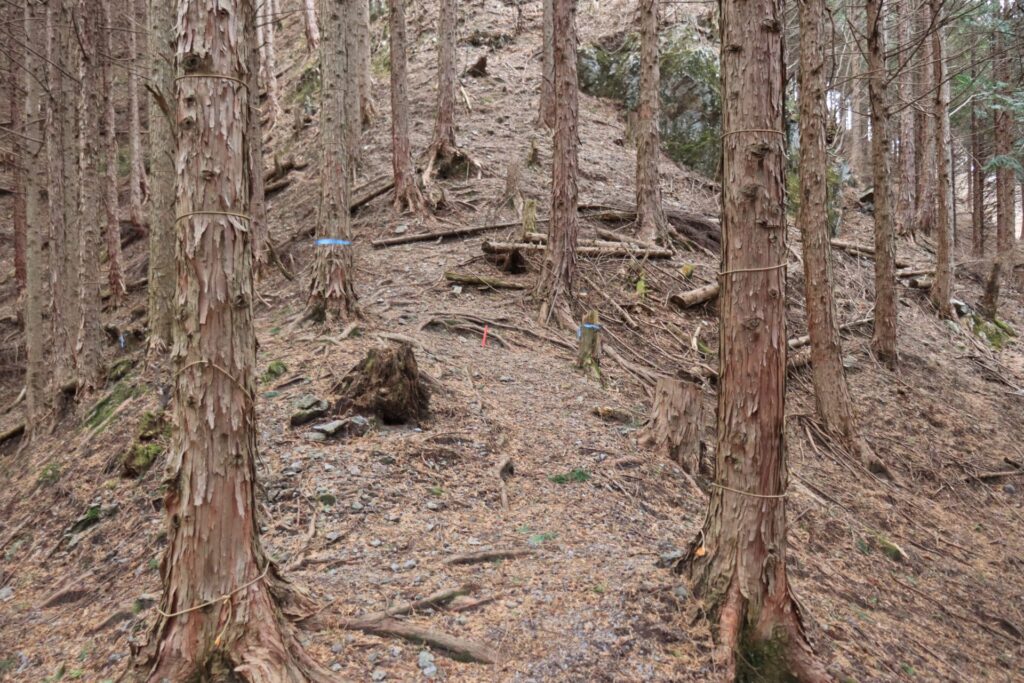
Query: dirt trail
913,579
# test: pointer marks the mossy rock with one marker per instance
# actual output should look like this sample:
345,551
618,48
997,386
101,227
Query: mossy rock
691,104
275,369
120,369
139,458
996,332
105,408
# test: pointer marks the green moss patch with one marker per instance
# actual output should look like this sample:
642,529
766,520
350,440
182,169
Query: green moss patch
104,410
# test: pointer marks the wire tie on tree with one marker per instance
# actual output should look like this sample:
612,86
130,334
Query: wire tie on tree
214,213
333,242
752,270
748,493
207,75
224,598
754,130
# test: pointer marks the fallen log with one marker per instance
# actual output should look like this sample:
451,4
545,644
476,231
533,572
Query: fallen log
863,250
488,556
494,283
457,648
13,432
701,230
542,238
441,234
696,296
799,342
615,250
433,600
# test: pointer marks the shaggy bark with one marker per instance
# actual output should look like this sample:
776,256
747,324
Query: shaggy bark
831,390
883,341
942,287
407,191
652,226
331,292
739,569
546,116
33,160
222,615
137,186
90,110
361,64
161,166
557,282
353,125
443,152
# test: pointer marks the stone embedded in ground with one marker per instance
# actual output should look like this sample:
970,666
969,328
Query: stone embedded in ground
356,425
309,408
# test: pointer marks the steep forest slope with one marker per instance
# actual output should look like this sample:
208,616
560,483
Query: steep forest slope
914,578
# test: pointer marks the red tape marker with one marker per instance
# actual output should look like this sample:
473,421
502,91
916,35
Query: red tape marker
483,342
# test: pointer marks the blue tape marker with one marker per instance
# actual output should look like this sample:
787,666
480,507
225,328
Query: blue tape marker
589,326
332,241
121,341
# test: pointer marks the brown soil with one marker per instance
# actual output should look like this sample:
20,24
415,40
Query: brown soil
914,578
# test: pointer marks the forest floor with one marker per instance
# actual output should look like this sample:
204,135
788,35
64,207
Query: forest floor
917,578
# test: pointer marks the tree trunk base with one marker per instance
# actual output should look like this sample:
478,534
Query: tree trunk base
386,383
448,161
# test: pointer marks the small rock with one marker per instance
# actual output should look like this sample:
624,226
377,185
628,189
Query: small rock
409,564
330,428
354,471
309,408
506,379
669,558
6,593
401,229
395,651
337,648
356,505
681,592
379,674
336,667
394,517
433,505
376,543
333,536
425,661
1009,489
314,436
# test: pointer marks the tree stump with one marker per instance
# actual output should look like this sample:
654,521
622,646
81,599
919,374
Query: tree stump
675,424
386,383
589,356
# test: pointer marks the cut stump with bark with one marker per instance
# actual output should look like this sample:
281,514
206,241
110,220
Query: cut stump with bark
677,417
386,383
588,358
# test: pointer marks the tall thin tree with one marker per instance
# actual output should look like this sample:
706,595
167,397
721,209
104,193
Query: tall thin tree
546,115
556,285
883,340
652,224
739,565
137,185
942,286
161,165
407,191
221,614
108,160
331,290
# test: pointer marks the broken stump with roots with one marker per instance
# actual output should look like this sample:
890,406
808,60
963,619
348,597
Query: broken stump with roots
386,383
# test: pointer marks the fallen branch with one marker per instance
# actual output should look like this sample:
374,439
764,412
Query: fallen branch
13,432
493,283
610,249
433,600
440,234
280,170
863,250
488,556
798,342
542,238
457,648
